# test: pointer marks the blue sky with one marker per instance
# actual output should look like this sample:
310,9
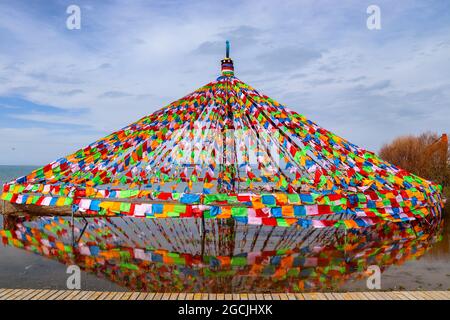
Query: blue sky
61,89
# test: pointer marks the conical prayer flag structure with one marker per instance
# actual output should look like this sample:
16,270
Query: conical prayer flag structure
226,150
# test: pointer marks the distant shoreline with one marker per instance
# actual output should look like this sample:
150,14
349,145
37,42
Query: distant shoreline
21,165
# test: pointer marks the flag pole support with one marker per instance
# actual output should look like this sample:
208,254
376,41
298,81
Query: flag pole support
86,223
203,227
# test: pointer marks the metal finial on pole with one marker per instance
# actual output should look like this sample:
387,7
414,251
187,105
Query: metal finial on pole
227,63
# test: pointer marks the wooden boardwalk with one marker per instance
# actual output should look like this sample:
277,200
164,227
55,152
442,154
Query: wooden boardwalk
38,294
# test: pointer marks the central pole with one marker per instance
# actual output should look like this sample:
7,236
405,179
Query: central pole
228,171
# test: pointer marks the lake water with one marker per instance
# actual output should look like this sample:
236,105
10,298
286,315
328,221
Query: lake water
179,255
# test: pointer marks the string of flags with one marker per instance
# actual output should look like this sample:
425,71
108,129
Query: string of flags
224,151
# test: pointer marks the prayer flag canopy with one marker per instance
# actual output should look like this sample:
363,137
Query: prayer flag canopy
227,150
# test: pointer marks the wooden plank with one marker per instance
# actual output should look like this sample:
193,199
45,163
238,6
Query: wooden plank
243,296
438,295
314,296
189,296
80,295
142,296
338,295
410,295
37,294
121,296
446,294
3,291
381,295
110,295
96,295
391,295
56,295
329,296
40,294
421,295
371,295
6,293
291,296
88,295
308,296
59,295
321,296
84,295
197,296
134,296
11,295
29,294
300,296
49,294
400,295
21,293
386,295
174,296
24,293
362,296
150,296
259,296
71,295
102,296
433,296
359,296
126,296
350,296
283,296
166,296
378,295
117,295
213,296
